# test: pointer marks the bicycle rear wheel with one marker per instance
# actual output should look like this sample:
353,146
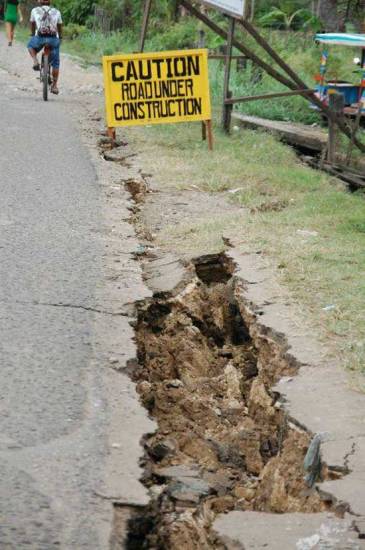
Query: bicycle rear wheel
45,76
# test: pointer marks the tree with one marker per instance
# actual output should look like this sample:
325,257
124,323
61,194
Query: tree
329,14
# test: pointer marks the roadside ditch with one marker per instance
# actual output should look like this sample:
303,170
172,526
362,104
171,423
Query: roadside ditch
205,371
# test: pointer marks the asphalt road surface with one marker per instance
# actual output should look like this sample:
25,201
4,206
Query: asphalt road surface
55,405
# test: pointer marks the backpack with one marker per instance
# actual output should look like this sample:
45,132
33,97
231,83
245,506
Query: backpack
46,26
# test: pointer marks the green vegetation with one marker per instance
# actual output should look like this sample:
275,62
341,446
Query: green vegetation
170,29
288,19
297,48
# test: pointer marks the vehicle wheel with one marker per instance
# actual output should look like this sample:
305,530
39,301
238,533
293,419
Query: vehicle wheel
45,78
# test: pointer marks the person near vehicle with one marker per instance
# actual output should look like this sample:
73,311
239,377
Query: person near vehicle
46,28
13,13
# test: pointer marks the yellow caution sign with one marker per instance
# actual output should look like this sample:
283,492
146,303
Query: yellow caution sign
152,88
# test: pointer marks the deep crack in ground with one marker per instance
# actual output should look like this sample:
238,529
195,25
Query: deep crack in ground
224,441
205,371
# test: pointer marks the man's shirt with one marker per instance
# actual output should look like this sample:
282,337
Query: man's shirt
46,19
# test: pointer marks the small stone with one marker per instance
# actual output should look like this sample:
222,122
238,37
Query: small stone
259,398
116,154
307,233
156,490
174,383
219,481
233,191
250,370
360,527
285,379
162,449
241,504
223,504
230,405
189,489
144,386
140,250
244,492
113,360
178,472
182,506
312,460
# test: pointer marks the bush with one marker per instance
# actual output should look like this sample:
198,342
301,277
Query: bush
183,34
73,31
75,11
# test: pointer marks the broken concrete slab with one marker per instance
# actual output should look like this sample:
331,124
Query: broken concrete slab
257,530
164,273
351,487
178,472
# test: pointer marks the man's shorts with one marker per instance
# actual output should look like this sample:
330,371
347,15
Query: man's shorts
37,43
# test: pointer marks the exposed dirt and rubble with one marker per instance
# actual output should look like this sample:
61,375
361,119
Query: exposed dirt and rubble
206,371
224,442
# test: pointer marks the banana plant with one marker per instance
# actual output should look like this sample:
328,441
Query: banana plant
286,19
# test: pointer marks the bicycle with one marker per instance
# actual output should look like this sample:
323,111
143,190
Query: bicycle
45,71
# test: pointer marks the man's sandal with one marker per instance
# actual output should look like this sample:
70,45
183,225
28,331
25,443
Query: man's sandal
54,89
36,67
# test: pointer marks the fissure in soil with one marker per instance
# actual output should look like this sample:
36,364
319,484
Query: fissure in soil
223,442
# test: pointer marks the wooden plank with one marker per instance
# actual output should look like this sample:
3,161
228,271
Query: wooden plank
239,45
244,99
314,139
222,56
336,104
354,180
227,109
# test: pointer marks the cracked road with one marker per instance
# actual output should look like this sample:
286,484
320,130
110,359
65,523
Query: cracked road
61,443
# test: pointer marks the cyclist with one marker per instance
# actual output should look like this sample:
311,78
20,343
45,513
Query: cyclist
46,28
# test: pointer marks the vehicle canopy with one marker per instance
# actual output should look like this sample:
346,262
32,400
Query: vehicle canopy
341,39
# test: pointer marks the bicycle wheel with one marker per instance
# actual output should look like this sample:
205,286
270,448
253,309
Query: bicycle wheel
45,77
